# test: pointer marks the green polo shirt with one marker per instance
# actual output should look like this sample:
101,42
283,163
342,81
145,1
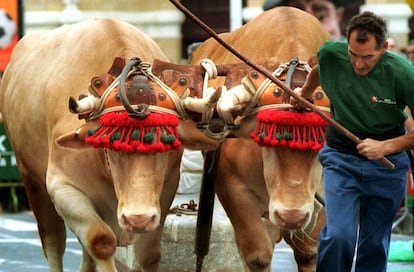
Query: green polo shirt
367,105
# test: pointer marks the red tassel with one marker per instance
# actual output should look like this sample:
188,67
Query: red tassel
288,129
156,133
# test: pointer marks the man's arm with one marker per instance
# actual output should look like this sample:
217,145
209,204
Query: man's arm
374,150
312,81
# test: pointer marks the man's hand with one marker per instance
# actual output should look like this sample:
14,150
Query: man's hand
295,103
372,149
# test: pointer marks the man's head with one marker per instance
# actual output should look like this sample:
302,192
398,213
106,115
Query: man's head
410,51
300,4
329,16
366,36
392,45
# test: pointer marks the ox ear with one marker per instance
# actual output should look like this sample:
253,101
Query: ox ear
76,139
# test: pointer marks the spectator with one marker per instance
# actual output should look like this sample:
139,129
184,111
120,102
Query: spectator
394,47
327,13
300,4
410,52
330,17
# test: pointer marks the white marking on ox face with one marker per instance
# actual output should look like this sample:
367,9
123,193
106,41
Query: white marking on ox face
290,218
138,181
139,223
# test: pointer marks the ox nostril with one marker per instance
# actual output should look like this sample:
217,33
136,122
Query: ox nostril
292,219
139,223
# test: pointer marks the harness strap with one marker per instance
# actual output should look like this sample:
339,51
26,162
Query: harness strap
292,67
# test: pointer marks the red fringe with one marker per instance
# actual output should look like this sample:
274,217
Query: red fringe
156,133
303,131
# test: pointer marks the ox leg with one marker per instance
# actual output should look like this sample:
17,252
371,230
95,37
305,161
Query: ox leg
94,234
147,248
254,242
50,225
87,263
304,243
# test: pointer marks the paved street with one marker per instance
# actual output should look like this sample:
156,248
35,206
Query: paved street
20,249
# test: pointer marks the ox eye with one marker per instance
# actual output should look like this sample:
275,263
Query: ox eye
97,83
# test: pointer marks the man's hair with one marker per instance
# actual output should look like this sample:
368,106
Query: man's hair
368,23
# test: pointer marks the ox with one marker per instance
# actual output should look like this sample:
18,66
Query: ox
278,184
108,198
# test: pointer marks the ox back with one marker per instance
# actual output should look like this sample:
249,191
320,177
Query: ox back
268,193
105,197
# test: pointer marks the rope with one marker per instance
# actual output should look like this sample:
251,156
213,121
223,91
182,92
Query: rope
211,73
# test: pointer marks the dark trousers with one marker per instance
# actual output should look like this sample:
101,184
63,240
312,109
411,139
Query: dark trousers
362,198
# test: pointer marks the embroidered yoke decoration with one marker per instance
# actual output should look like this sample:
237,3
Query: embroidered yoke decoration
120,132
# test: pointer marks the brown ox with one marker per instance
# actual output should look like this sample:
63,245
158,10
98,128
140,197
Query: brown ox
274,183
105,197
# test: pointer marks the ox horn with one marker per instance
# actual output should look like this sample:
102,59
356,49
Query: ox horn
85,104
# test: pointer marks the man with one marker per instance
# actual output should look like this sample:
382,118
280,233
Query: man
368,88
327,13
393,46
329,16
300,4
410,52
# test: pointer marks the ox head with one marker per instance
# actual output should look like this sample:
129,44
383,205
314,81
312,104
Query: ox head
289,140
163,87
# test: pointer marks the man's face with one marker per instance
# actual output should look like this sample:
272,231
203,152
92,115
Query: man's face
300,4
364,56
328,18
410,52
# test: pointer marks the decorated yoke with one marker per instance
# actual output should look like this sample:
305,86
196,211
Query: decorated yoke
139,106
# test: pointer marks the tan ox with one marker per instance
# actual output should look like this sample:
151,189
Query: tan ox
104,196
257,184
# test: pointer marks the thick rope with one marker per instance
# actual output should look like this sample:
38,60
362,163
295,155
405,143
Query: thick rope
211,73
